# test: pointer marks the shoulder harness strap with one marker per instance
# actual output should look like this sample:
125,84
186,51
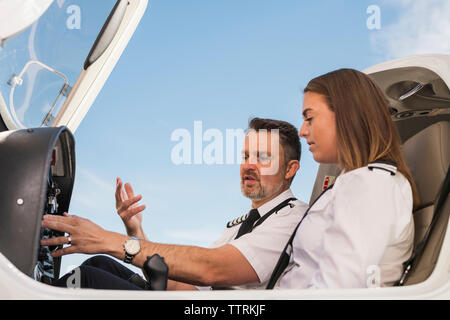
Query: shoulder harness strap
285,255
241,219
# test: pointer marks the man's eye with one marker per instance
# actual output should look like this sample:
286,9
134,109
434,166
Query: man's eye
309,119
264,159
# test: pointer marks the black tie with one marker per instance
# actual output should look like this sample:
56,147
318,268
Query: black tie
247,225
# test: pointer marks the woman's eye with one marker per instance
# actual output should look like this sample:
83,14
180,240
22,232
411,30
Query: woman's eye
309,119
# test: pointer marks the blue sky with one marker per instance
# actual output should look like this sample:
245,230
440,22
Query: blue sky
221,62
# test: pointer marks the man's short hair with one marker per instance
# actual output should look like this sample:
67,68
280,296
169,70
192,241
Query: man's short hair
289,137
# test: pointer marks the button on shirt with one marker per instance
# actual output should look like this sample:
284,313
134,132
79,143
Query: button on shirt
262,247
357,233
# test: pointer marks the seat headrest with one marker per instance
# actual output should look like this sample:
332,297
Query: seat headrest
428,156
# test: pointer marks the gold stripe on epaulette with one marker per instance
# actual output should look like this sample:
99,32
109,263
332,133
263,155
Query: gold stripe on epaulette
237,221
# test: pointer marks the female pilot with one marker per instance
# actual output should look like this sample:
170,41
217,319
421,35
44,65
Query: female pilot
360,231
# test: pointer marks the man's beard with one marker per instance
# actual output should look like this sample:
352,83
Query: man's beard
260,192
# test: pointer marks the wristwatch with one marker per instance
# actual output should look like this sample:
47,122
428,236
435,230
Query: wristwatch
132,248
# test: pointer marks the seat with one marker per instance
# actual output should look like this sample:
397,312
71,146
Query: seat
428,156
326,175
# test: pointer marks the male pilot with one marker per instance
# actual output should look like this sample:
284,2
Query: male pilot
244,255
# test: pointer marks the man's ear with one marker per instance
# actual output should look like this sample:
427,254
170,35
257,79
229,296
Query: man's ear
291,169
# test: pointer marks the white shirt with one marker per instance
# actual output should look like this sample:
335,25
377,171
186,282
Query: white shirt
356,234
263,246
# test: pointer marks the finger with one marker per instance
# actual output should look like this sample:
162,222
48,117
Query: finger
55,241
58,223
64,251
132,212
129,203
129,190
119,192
66,218
124,195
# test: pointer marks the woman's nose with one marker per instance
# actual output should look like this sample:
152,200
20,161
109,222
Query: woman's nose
303,133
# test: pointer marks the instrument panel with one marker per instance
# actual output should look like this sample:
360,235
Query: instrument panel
37,171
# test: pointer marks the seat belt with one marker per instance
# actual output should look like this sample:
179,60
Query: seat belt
285,256
259,222
418,250
274,210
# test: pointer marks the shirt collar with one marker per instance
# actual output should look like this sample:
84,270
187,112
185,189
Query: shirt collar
266,207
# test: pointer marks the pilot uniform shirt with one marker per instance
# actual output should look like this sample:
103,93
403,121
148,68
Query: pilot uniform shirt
357,234
263,245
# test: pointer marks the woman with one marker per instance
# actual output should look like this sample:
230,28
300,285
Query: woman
360,231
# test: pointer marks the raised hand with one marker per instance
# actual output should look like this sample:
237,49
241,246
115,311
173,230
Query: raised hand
129,210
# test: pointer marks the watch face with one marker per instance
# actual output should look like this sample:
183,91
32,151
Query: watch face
132,246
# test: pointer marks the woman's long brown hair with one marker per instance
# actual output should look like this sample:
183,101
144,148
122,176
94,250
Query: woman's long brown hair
365,131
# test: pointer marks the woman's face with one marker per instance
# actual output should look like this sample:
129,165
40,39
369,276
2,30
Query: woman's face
319,128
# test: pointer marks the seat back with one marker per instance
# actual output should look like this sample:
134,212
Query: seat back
428,156
326,174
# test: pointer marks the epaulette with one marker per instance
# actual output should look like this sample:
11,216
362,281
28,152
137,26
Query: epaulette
237,221
383,165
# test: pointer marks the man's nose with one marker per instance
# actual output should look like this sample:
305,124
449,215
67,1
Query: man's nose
250,163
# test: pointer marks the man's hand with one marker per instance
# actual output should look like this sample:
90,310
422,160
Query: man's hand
222,266
86,236
128,209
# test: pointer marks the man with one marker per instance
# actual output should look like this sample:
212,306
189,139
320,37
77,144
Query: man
243,257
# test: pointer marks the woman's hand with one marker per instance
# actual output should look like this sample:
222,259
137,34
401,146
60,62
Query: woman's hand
128,209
